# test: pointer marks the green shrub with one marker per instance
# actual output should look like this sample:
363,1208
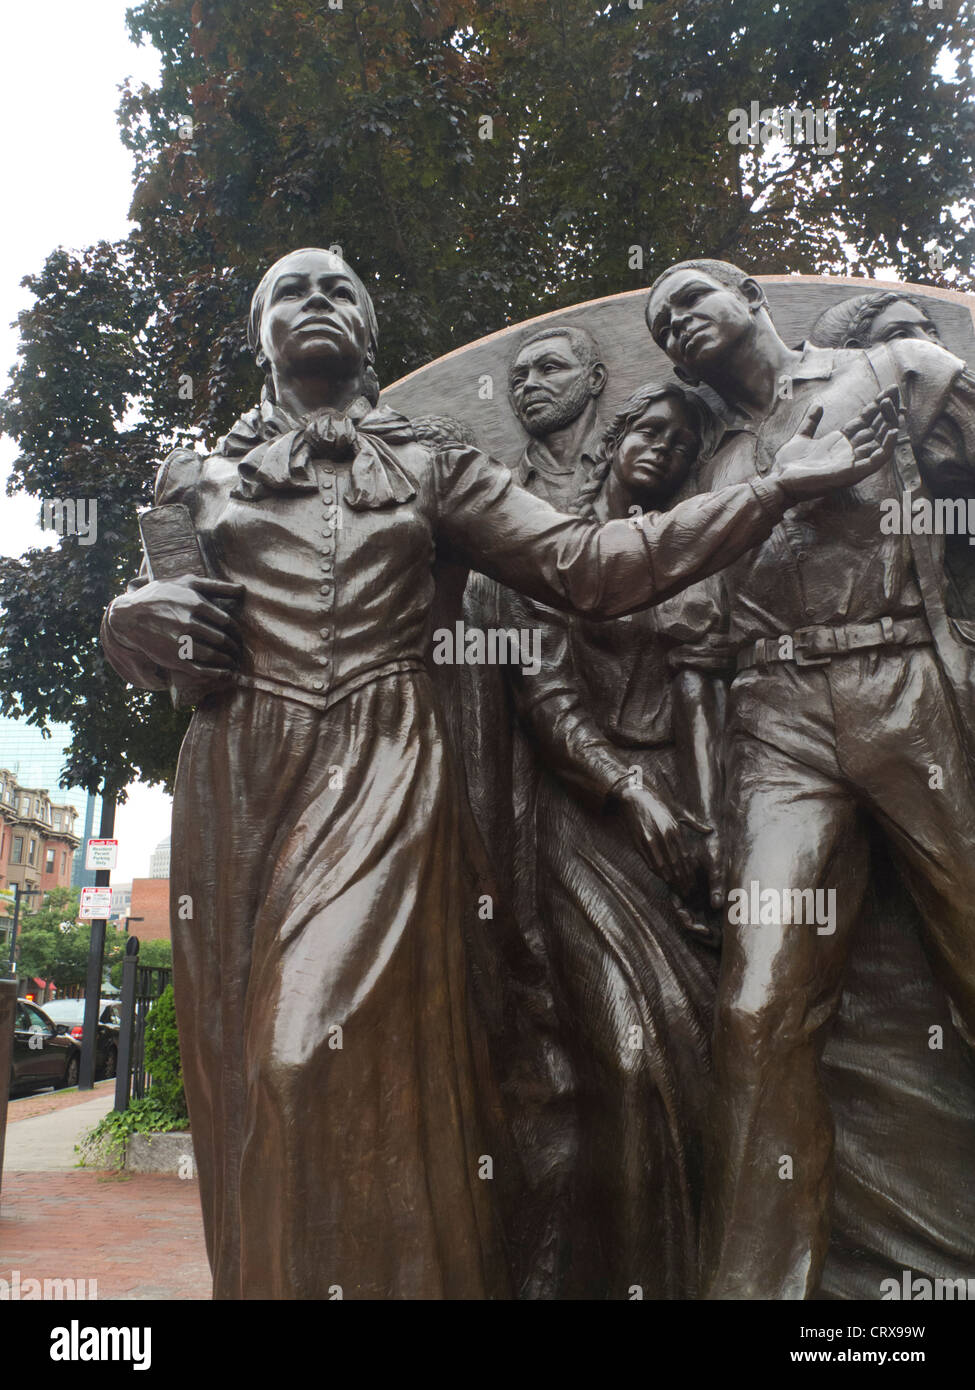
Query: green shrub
104,1145
162,1055
162,1109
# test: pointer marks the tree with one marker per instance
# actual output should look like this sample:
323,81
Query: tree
83,362
479,161
156,953
162,1055
59,908
53,944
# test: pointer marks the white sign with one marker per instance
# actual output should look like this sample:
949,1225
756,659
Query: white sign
96,902
101,854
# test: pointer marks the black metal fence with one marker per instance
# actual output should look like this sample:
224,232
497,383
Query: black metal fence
141,987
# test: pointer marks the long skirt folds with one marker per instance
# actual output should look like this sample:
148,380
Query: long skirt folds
330,1068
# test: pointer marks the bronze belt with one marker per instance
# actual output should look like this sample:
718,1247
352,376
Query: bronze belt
816,646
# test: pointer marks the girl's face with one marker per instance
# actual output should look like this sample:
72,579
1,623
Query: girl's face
902,319
656,452
313,320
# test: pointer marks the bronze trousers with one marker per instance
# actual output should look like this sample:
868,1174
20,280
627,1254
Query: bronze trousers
813,751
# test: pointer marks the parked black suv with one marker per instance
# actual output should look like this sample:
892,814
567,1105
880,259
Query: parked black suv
41,1055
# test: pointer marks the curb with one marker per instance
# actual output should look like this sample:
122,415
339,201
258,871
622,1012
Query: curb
161,1153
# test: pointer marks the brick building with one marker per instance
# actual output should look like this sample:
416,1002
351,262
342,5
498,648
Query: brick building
150,901
37,840
37,837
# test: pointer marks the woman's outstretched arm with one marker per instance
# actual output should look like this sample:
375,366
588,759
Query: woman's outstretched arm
621,566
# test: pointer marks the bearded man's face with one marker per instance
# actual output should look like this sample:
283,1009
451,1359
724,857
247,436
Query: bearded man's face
548,386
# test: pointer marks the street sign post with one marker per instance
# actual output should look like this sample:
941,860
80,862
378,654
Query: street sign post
96,948
101,854
95,902
8,901
8,1006
19,893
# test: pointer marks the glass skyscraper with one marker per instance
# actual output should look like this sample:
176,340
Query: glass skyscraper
37,761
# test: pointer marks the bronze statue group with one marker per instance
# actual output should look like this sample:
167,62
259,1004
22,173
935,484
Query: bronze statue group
462,1011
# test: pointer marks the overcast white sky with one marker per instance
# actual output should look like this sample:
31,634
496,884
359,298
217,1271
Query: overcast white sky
69,183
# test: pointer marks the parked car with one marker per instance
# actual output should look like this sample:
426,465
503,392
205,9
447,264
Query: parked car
41,1055
68,1017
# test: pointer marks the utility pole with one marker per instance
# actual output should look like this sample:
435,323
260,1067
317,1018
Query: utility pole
96,958
19,893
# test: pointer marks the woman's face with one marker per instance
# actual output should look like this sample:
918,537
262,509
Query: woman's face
313,320
658,448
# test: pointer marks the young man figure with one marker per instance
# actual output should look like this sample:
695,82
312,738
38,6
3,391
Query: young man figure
852,699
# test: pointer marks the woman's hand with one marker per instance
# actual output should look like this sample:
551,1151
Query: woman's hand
808,467
658,833
183,626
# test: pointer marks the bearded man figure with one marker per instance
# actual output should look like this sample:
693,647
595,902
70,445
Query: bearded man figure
555,380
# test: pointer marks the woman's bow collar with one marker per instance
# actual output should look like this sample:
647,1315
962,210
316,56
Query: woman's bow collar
276,452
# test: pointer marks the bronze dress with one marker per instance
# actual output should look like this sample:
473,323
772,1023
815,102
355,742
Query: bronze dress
635,990
329,1052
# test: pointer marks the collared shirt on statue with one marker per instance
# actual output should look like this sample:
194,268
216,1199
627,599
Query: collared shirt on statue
829,561
537,473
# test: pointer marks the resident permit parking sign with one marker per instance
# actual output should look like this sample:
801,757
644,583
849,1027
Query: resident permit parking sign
101,854
96,903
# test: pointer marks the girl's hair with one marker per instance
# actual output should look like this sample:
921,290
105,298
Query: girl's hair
623,421
370,383
853,318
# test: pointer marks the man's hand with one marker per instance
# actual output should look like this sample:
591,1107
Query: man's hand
715,869
658,833
808,467
691,910
158,618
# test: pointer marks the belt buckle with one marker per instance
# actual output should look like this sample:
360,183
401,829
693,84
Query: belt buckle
799,639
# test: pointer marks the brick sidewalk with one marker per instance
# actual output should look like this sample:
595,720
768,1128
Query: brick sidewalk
138,1235
28,1107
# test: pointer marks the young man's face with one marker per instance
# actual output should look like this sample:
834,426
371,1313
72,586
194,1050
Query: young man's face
900,320
696,321
656,452
549,386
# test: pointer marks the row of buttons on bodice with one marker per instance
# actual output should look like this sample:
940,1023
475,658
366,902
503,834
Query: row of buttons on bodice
326,483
